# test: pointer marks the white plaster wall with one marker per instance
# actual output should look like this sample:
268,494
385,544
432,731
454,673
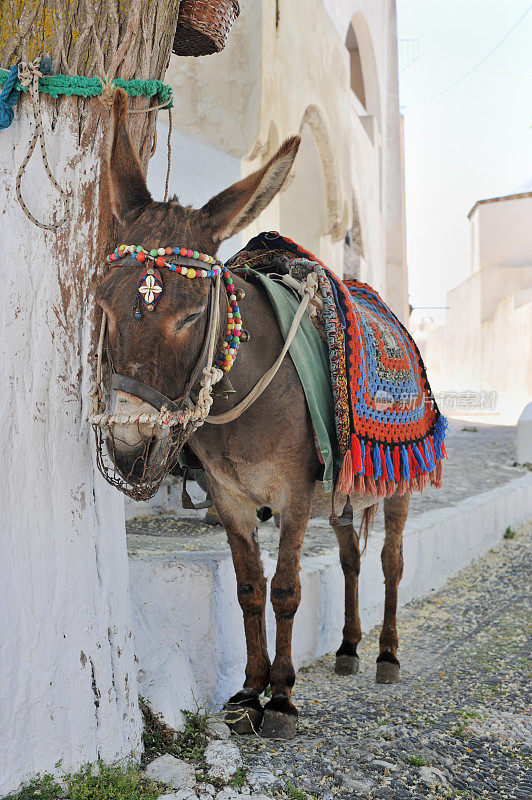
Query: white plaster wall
486,340
67,687
189,634
198,171
260,89
502,232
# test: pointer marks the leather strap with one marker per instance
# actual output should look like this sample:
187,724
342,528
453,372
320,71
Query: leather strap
267,378
141,390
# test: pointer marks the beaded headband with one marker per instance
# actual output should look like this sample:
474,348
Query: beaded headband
150,287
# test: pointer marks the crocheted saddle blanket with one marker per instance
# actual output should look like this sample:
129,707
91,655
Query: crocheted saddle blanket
390,431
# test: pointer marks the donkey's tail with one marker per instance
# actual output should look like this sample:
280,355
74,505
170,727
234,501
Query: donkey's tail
368,517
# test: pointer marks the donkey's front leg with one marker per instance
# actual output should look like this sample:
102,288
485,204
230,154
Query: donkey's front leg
280,715
244,710
395,514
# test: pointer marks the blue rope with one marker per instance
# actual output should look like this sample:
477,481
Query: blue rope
8,98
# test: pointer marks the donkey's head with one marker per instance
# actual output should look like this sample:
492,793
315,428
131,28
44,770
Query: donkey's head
161,348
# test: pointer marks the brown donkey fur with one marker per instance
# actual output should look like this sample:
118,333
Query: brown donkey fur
265,457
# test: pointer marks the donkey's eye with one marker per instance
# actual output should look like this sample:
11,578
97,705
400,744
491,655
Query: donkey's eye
190,318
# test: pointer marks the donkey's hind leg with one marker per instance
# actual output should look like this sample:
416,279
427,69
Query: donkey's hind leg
395,514
347,661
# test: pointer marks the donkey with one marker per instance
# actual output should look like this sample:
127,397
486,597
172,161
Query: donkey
267,456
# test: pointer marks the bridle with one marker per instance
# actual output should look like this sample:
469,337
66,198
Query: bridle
188,412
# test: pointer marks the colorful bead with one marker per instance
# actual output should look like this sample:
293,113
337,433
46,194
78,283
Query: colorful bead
233,331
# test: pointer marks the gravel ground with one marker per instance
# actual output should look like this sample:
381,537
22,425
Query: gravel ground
457,726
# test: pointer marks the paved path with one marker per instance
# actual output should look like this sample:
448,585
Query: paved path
457,725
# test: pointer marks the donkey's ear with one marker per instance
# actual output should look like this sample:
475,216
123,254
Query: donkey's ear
241,203
128,190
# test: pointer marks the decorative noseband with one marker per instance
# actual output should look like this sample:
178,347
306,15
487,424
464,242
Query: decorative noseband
150,286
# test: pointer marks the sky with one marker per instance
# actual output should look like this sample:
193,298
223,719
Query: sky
473,142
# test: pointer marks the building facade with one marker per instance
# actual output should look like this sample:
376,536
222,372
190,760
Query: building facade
326,69
485,345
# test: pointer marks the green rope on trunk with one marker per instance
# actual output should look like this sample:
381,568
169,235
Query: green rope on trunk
69,85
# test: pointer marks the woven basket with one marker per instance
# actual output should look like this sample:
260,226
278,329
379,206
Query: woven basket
203,26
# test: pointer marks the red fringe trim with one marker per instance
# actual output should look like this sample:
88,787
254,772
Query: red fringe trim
345,479
396,460
357,456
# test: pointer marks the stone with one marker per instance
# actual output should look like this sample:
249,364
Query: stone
261,778
216,729
359,786
182,794
228,794
430,776
261,797
172,771
382,766
223,759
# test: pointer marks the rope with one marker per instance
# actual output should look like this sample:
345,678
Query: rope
309,287
69,85
28,75
8,98
169,145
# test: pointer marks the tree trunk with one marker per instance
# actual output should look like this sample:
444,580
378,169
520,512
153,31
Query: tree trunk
68,679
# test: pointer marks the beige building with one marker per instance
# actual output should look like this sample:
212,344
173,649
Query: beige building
327,70
485,344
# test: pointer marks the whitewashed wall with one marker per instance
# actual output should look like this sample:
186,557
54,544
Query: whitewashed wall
67,677
198,172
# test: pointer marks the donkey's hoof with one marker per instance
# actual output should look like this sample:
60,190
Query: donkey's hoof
347,665
388,672
243,712
280,719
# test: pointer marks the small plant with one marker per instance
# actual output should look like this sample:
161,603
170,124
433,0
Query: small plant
295,793
43,787
158,738
509,533
417,761
239,778
93,782
465,717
